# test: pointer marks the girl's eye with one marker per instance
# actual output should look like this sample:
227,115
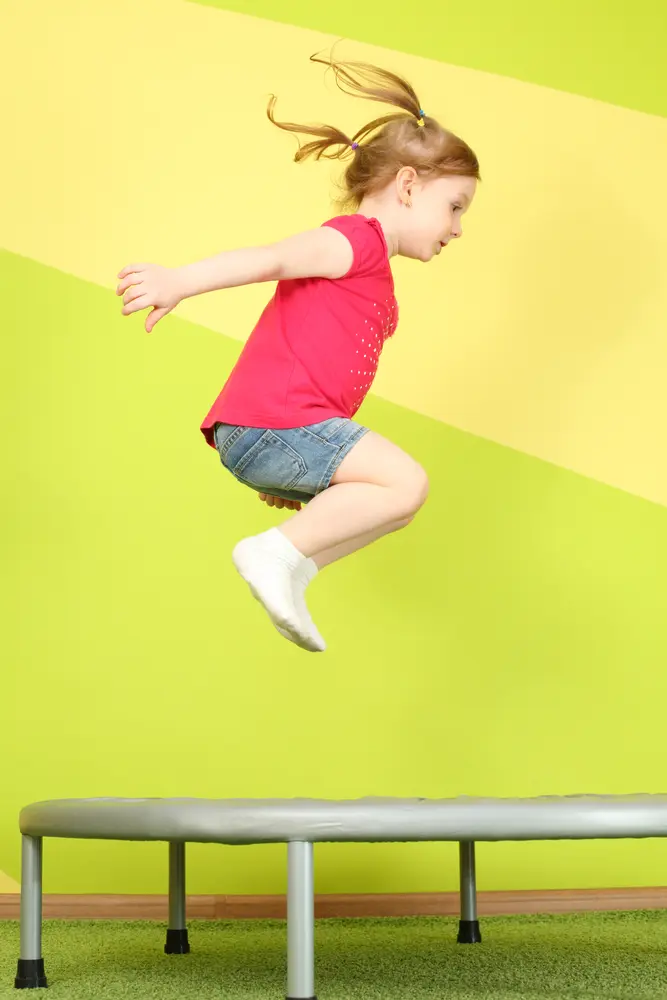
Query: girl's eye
457,208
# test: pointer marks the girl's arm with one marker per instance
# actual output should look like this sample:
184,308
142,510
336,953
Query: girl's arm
318,253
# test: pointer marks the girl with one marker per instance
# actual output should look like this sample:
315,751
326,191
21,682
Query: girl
283,423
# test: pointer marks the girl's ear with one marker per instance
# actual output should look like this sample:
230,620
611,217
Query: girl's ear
405,181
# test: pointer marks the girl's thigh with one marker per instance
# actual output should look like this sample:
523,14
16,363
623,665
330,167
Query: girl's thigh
376,460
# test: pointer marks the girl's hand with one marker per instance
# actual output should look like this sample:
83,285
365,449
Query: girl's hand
278,502
150,286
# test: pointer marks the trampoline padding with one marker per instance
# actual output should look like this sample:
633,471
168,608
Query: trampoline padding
373,820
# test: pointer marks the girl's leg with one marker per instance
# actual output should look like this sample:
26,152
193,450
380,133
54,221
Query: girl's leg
376,489
305,572
376,485
328,556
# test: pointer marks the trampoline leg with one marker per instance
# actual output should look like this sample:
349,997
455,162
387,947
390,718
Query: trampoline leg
30,972
469,932
300,922
177,935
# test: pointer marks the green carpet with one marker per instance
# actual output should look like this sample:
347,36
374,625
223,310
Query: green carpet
522,958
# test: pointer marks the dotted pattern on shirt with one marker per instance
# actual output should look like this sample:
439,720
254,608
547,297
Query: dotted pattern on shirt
373,336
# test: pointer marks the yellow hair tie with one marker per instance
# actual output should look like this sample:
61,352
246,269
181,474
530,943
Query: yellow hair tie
420,119
421,122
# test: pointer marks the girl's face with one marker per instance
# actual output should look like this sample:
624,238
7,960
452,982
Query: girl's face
432,213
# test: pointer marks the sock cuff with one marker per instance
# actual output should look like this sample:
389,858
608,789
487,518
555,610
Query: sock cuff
308,570
280,543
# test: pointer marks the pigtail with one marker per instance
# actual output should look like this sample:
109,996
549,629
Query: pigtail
359,79
356,79
330,143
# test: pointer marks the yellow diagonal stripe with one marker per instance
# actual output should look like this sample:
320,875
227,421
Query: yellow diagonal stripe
136,131
8,884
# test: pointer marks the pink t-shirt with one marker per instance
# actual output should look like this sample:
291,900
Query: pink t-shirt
315,350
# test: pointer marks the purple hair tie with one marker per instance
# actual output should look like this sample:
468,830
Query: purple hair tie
355,145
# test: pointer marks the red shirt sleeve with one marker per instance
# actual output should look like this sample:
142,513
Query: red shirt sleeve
367,241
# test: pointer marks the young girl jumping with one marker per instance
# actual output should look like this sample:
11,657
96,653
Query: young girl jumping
283,423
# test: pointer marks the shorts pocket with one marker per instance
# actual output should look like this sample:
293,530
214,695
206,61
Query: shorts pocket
224,436
269,463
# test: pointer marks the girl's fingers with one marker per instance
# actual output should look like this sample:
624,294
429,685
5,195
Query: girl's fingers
134,292
136,305
278,502
131,269
125,284
154,317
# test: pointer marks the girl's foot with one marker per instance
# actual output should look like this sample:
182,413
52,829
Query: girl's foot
275,572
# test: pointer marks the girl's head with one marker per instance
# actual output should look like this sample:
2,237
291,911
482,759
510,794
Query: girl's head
404,167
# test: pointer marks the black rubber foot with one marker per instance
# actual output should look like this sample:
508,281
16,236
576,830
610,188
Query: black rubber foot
469,932
177,943
300,998
30,974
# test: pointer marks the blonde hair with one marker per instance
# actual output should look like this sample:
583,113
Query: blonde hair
403,138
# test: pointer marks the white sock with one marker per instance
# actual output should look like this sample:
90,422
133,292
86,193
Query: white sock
301,577
269,563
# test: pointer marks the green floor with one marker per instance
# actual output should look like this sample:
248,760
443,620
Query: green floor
522,958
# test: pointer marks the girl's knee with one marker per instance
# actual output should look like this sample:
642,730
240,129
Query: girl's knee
414,493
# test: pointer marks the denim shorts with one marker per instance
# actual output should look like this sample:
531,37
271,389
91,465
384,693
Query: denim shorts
294,464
